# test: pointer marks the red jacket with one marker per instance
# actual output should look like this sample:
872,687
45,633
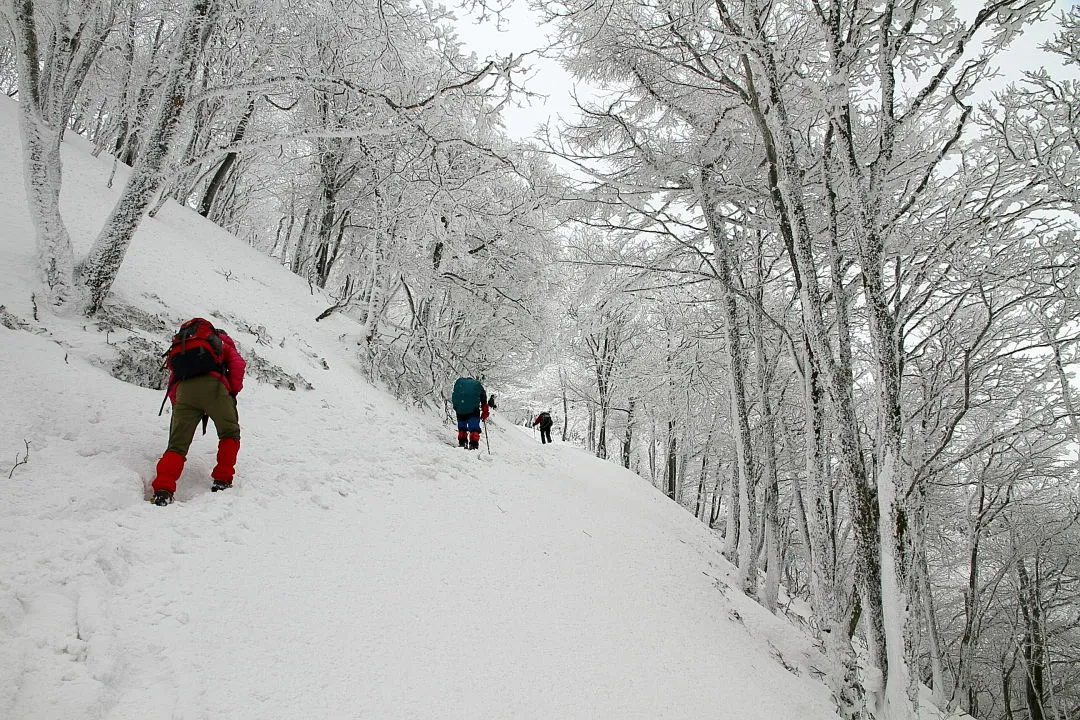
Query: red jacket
233,377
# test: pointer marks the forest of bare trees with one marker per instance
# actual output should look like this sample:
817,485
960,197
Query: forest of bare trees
792,263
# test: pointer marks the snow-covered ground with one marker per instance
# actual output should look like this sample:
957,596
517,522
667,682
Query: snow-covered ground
362,567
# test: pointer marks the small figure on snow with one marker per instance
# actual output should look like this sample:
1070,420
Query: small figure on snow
206,373
545,423
470,401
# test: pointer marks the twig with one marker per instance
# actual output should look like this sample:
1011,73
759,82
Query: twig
341,300
19,462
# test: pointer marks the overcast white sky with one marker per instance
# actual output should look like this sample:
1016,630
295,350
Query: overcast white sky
523,32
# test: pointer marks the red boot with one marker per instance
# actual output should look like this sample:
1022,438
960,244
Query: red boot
227,449
169,468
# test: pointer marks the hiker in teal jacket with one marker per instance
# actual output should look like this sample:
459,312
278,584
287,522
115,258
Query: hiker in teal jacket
471,405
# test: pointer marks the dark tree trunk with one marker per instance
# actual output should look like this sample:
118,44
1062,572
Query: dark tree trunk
222,172
629,436
672,474
1032,643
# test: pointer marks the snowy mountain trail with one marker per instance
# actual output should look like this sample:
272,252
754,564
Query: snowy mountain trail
361,566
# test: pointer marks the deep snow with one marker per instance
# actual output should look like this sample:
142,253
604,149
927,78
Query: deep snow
362,567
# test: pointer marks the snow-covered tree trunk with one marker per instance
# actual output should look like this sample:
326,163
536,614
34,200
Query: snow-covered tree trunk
102,265
42,176
899,525
828,587
49,79
732,529
1032,643
789,198
736,385
770,509
901,690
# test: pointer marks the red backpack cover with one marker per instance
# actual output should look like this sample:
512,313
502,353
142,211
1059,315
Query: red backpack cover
196,350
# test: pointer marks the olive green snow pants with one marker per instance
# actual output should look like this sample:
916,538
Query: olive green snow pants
203,395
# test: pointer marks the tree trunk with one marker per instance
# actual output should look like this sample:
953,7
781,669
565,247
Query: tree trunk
222,172
718,494
732,528
699,505
601,438
768,445
325,230
653,462
129,141
629,436
933,636
565,406
603,356
592,428
898,507
671,469
723,255
42,175
107,254
1032,643
298,266
787,196
965,656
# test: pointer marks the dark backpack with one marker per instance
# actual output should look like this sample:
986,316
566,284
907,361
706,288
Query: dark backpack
545,420
468,396
196,350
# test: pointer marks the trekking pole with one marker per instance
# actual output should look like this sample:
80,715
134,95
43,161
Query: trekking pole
486,441
168,387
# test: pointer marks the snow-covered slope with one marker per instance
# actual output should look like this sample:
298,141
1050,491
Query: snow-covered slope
362,567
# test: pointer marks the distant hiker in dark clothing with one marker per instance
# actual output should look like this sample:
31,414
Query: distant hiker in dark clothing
205,375
545,423
491,402
470,401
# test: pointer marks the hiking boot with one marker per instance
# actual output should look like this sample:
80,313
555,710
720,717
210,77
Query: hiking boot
462,442
162,498
474,444
220,485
